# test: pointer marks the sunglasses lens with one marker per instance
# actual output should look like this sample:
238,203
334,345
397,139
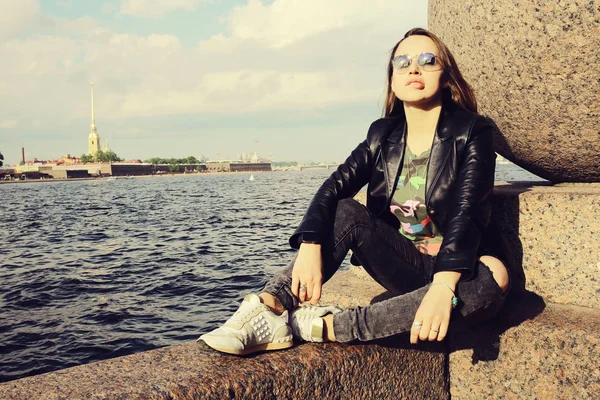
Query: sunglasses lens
427,61
401,62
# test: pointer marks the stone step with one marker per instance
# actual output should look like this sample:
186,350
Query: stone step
553,231
531,350
306,371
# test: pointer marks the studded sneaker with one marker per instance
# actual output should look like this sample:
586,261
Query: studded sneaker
253,327
307,322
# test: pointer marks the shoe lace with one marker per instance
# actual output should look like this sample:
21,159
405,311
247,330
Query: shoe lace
241,314
309,312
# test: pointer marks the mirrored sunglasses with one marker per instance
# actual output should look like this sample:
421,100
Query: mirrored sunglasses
426,62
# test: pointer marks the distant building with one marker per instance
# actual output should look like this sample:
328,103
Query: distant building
108,169
67,160
229,166
251,157
93,138
7,173
31,167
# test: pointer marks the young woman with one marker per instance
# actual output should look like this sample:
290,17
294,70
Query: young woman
424,234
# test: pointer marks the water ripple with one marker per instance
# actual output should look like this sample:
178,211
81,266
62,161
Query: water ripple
99,269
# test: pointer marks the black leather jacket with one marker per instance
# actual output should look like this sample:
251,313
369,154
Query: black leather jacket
459,185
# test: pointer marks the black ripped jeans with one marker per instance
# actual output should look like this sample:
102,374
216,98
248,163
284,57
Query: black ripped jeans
394,262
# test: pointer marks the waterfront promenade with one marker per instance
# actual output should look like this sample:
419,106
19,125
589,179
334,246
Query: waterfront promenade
543,345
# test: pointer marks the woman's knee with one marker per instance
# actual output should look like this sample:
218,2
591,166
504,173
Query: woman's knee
498,269
351,210
350,213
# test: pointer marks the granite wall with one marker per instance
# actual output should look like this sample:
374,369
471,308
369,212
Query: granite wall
535,67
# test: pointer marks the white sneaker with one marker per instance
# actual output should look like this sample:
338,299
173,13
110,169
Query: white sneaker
307,322
253,327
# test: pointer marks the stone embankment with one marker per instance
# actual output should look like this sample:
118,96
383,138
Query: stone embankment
543,344
534,69
194,371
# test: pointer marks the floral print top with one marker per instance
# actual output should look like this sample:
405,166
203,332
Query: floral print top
408,204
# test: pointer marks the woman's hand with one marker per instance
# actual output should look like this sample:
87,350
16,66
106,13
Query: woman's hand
433,316
308,270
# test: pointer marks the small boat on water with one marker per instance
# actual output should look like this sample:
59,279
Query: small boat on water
251,178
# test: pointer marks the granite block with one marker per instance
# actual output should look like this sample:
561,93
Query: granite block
387,369
534,68
553,230
531,350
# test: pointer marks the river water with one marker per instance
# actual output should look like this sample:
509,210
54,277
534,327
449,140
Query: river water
97,269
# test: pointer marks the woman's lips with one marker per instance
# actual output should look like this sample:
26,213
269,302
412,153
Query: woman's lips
415,84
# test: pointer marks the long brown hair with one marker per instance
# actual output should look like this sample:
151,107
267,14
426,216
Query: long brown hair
455,87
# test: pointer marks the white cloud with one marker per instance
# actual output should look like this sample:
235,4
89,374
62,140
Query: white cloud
156,8
17,16
286,21
7,124
65,4
292,56
289,55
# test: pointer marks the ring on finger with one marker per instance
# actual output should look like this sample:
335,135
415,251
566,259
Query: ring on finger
417,324
436,331
303,287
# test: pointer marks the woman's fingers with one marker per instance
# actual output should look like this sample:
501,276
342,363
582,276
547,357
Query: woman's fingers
443,330
295,284
426,328
435,328
302,292
416,329
433,316
307,273
424,332
309,291
316,293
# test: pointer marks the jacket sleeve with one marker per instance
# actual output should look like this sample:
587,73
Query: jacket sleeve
345,182
470,210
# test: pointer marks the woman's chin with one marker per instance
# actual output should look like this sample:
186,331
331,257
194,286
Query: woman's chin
426,103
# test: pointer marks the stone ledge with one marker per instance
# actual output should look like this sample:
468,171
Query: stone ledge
531,350
193,371
510,353
553,231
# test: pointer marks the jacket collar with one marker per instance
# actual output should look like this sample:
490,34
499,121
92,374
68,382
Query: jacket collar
445,126
393,152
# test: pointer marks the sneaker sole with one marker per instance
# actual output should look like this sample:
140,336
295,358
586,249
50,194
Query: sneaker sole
260,347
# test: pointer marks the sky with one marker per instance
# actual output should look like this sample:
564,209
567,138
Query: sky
293,80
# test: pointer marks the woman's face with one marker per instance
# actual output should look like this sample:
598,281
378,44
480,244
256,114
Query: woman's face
416,87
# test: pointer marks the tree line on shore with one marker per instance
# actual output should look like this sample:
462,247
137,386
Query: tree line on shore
176,165
100,156
284,164
170,161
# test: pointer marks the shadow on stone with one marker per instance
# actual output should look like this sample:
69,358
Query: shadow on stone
322,370
484,336
481,332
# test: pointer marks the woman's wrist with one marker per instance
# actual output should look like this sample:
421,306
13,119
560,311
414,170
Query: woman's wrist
449,278
309,245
